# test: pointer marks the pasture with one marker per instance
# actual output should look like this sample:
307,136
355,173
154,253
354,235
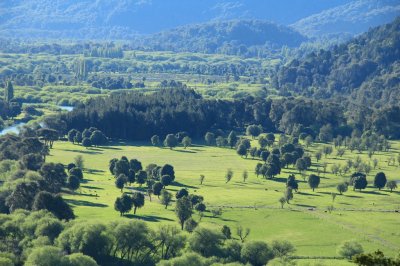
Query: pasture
368,217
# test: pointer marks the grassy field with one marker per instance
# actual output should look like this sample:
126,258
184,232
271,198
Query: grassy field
367,217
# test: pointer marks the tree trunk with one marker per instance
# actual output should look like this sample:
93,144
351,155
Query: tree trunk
134,210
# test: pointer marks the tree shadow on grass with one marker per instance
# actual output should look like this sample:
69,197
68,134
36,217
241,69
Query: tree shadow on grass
83,151
374,193
84,181
85,203
110,148
308,194
326,193
353,196
147,218
178,184
92,187
94,171
185,151
278,179
305,206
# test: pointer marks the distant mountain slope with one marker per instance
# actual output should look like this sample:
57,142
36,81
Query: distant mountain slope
122,19
351,18
367,68
241,37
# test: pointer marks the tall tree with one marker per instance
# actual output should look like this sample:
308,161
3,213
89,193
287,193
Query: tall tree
9,92
183,210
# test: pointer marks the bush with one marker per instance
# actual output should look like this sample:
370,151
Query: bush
349,248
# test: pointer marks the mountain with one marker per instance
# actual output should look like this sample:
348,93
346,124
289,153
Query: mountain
351,18
366,68
238,37
123,19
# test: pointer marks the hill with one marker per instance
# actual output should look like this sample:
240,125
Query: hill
122,19
350,19
240,37
367,68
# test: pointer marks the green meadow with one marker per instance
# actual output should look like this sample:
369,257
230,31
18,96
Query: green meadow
368,216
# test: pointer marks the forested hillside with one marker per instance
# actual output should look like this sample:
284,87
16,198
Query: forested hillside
236,37
351,18
367,68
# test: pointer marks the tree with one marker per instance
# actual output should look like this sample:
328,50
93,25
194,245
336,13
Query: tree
380,180
54,177
228,175
301,165
166,180
71,135
376,258
78,137
209,138
166,197
137,200
313,181
155,140
54,204
282,201
257,253
183,210
207,242
157,187
73,182
264,155
359,181
221,141
168,169
242,233
226,231
292,183
271,139
190,225
181,193
253,131
22,196
232,139
341,188
123,204
349,248
263,142
32,161
76,172
131,176
141,177
86,142
170,141
120,181
135,165
241,150
288,194
45,255
391,185
202,177
98,138
9,92
245,175
79,162
186,142
120,167
282,248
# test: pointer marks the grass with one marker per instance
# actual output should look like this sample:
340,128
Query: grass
305,222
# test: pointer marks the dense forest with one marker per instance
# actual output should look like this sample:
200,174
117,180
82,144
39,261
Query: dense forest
138,116
237,37
367,68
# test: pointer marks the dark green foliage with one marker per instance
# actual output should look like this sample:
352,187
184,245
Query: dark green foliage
170,141
226,231
32,161
97,138
313,181
168,169
54,177
292,183
380,180
22,196
359,181
73,182
155,140
210,138
53,203
123,204
131,176
375,258
166,197
75,171
120,167
183,210
232,139
157,187
207,242
257,253
181,193
166,180
341,188
241,150
141,177
135,165
86,142
138,201
120,181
